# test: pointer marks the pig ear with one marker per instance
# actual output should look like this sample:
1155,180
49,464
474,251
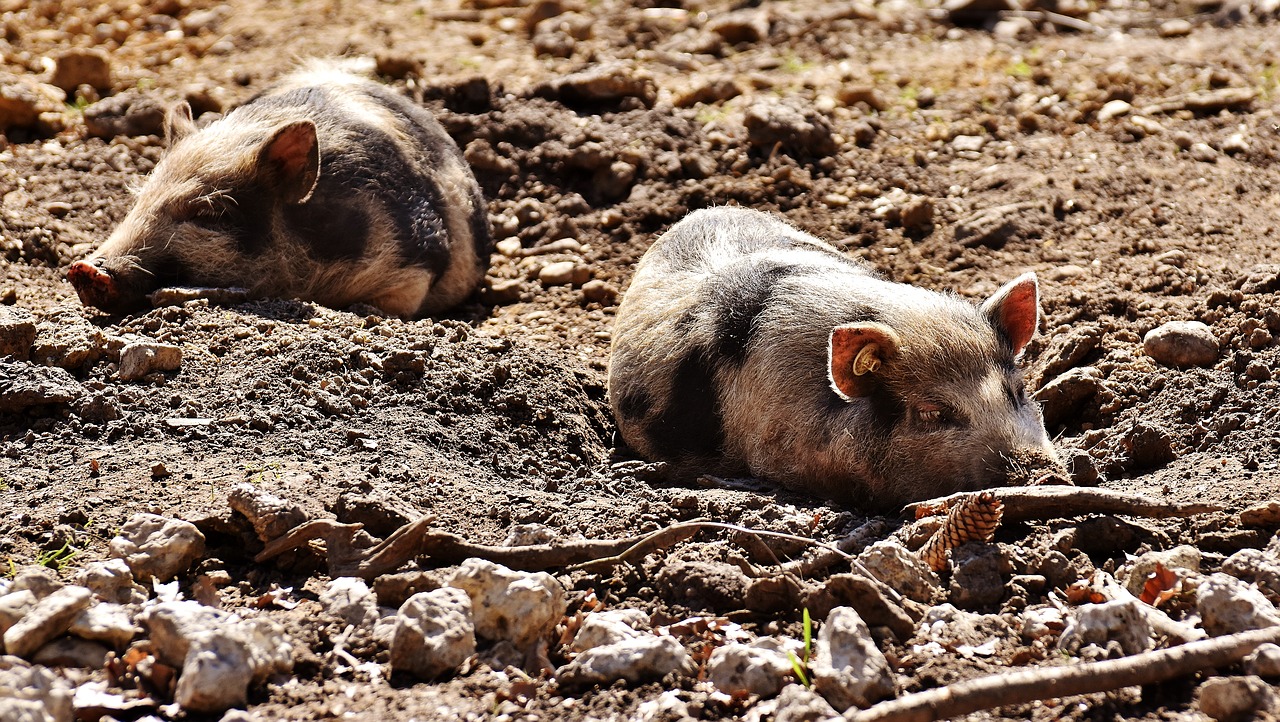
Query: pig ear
855,353
178,123
1014,310
291,159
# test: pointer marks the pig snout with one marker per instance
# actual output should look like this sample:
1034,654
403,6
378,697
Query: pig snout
105,287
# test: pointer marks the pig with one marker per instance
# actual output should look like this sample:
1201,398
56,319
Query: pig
327,187
745,347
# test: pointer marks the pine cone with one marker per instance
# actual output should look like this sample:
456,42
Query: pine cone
975,518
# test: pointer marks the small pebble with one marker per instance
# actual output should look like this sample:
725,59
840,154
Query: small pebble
1182,344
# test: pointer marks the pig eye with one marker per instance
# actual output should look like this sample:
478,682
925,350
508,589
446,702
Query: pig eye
935,415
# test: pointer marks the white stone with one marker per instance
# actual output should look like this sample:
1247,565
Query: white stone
601,628
1228,605
173,626
1121,620
520,607
350,599
848,669
141,358
40,581
1238,698
157,547
1113,109
1264,661
31,693
107,623
215,675
968,142
795,703
49,618
1038,622
1234,143
896,566
1184,557
645,658
112,581
741,669
72,652
1182,343
434,633
14,606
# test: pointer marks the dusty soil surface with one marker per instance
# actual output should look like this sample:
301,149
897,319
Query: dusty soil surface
946,155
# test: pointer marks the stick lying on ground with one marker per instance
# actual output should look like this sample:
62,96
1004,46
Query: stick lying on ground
1023,503
1046,683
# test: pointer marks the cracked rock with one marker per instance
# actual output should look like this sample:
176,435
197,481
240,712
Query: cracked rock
520,607
156,547
1121,620
848,669
1228,605
737,669
145,357
351,600
112,581
434,633
615,625
50,617
645,658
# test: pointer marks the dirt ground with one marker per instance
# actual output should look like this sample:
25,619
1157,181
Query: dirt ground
945,152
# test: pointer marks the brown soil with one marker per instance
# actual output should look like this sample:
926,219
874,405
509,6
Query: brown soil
497,415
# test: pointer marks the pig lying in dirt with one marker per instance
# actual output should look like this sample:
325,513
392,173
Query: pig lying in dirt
327,187
745,346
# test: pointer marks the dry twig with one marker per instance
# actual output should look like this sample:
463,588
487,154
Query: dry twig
1023,503
974,518
1030,685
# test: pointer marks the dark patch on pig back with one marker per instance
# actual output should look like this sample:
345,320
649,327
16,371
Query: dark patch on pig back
689,426
738,295
335,230
634,404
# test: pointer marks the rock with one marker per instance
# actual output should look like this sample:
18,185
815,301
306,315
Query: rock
1060,398
641,659
141,358
30,693
990,227
156,547
25,103
14,606
270,515
1258,567
130,113
797,704
1228,605
1040,622
1234,143
1113,109
67,340
111,581
599,291
1184,557
23,386
896,566
968,143
799,128
606,83
916,214
702,584
81,66
859,593
740,26
1121,620
107,623
740,669
1175,28
1264,661
1203,152
1262,515
1147,445
350,599
17,332
503,291
1238,698
172,627
510,247
852,94
215,675
848,669
39,580
72,652
1182,344
976,578
49,618
434,633
609,627
564,273
521,607
708,90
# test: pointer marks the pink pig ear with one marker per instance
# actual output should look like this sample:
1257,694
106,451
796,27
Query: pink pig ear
291,160
1014,310
855,354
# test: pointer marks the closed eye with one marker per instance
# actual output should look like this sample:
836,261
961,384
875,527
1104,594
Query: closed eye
934,415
